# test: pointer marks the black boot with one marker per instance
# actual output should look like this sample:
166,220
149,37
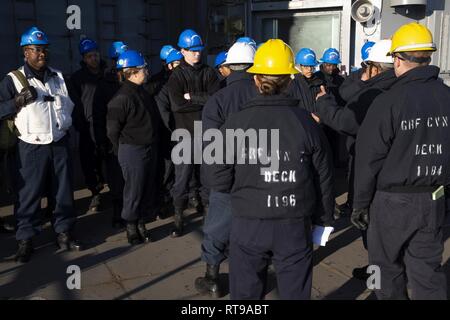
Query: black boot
24,252
209,284
95,205
143,232
117,221
337,212
132,233
6,227
65,241
177,231
193,202
361,273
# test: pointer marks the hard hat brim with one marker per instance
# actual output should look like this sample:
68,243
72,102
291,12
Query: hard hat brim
334,62
272,71
308,64
433,49
197,48
35,43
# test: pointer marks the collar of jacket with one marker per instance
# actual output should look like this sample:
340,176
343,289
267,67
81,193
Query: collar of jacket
327,77
384,79
419,74
238,76
186,65
270,101
102,66
131,86
313,81
30,75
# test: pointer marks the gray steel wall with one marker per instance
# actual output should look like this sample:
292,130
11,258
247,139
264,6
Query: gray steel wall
436,17
145,25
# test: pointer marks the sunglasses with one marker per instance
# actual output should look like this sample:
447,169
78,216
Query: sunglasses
398,57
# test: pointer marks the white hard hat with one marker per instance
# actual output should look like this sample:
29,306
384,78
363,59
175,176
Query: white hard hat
241,53
379,52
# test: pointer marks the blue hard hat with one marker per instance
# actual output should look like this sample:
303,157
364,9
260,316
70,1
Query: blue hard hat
248,40
165,51
190,40
366,49
332,56
306,57
130,59
87,45
174,55
220,59
33,36
116,49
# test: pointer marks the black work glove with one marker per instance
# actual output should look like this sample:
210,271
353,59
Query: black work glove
360,218
26,96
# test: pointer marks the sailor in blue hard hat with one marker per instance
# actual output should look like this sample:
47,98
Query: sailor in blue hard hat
219,64
116,49
35,98
165,51
191,45
306,61
173,59
89,51
330,60
35,45
133,129
84,85
189,86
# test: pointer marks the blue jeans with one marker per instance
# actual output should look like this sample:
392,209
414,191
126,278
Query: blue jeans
216,231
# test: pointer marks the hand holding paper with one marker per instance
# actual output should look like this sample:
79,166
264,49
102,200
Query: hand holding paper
321,235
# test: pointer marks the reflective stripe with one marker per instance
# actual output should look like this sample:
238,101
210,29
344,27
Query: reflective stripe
415,46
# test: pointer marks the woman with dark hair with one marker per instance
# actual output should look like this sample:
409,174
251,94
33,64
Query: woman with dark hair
132,123
275,207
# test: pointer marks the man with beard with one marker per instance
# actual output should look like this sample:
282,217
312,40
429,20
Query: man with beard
84,84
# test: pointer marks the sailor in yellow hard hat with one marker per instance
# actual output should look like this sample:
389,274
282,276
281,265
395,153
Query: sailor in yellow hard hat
273,212
402,174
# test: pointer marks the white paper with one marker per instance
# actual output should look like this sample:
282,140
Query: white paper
321,235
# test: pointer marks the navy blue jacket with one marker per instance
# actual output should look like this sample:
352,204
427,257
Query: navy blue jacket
301,187
348,119
83,86
405,137
240,89
201,82
351,85
333,83
306,90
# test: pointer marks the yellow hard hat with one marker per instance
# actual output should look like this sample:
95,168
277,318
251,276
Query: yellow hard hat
412,37
274,58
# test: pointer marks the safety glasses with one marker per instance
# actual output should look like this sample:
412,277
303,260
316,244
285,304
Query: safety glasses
39,50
